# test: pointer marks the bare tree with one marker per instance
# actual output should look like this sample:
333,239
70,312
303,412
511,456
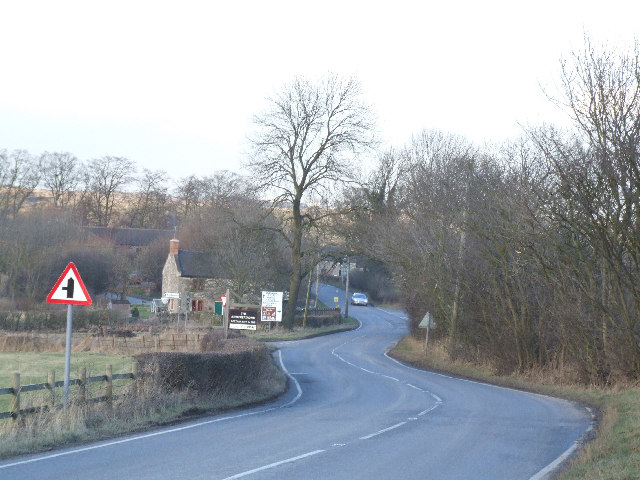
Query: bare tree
305,145
104,178
19,176
60,175
149,207
197,194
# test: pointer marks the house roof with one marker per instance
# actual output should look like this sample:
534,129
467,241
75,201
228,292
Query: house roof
198,265
132,237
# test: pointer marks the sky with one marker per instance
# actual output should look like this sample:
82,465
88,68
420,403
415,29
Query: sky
174,86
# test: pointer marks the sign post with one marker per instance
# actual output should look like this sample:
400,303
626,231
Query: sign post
69,290
426,323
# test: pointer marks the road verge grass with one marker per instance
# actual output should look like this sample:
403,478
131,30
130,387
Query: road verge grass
279,334
146,404
614,453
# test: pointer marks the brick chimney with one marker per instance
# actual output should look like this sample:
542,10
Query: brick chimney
174,246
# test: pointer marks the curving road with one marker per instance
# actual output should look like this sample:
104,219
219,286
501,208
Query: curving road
351,413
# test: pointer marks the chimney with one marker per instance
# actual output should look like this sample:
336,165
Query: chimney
174,246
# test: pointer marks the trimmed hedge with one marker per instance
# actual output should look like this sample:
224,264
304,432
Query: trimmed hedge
208,371
24,321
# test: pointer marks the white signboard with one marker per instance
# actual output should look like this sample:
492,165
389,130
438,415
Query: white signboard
271,310
171,295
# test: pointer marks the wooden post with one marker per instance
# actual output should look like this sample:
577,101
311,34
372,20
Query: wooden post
134,372
15,403
51,386
109,389
83,385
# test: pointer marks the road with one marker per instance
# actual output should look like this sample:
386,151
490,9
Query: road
351,412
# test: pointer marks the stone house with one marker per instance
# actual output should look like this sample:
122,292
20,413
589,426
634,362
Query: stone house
196,276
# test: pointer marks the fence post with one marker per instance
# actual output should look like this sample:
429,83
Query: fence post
134,372
83,385
51,385
15,403
109,389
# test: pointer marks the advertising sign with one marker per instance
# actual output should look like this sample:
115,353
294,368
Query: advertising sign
271,310
243,318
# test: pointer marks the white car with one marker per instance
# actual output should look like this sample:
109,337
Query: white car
359,299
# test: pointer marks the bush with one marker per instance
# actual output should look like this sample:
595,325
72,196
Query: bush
209,371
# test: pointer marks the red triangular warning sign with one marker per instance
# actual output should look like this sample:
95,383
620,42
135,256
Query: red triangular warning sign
69,288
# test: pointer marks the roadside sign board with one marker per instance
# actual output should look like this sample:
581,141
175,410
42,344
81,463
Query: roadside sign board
69,289
271,308
171,294
243,318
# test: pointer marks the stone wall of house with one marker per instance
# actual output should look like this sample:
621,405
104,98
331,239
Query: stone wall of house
207,289
171,281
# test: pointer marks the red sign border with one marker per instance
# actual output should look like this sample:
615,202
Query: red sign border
71,266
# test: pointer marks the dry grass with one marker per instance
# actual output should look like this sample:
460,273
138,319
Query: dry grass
151,404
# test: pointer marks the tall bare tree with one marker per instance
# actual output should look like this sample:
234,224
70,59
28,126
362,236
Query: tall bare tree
60,175
104,178
149,207
305,145
19,176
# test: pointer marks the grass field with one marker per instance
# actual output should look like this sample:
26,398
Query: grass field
34,368
615,452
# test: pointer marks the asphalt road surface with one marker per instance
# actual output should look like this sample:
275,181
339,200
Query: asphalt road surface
351,412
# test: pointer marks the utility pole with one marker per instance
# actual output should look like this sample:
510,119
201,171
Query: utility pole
346,291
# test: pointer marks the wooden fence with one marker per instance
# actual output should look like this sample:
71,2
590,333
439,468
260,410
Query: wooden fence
51,384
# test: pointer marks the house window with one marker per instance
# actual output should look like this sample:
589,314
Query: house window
197,305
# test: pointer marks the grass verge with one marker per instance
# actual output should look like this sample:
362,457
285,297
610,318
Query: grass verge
614,454
34,367
279,334
138,407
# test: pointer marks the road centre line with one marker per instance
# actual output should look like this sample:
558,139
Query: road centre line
542,474
273,465
384,430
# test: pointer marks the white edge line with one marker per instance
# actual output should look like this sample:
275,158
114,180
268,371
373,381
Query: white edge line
546,470
297,384
161,432
273,465
553,465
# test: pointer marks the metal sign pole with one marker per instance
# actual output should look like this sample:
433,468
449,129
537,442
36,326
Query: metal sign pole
67,355
426,338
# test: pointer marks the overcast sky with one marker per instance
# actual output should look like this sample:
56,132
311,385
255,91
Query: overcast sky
174,85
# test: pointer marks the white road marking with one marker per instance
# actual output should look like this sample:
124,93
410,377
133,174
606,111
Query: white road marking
384,430
273,465
163,432
555,464
284,369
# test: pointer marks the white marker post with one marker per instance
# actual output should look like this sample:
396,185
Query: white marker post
69,290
